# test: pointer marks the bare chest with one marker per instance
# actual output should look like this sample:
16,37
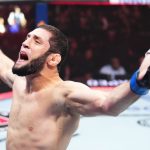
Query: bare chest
29,110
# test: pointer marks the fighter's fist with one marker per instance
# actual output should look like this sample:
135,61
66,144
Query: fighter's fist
140,80
145,67
145,81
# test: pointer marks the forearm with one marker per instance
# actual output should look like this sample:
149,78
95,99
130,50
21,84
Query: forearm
127,93
6,65
5,62
120,99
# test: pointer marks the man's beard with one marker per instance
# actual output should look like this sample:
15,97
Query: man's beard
35,66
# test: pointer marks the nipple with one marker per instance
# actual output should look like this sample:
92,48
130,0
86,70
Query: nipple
30,129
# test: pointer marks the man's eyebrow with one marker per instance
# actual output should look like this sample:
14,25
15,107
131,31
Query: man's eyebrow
37,37
34,36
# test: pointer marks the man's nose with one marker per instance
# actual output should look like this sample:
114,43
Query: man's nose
26,43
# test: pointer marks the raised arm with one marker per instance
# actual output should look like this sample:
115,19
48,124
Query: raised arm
6,65
85,101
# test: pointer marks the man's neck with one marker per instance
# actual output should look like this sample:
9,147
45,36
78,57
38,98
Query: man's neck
42,80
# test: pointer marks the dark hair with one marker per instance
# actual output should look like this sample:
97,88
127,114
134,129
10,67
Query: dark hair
58,42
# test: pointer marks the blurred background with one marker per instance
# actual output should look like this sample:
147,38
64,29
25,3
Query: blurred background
108,40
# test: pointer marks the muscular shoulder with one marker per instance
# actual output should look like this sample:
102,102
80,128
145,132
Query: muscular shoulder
72,85
72,89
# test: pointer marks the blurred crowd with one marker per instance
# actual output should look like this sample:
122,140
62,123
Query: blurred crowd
96,35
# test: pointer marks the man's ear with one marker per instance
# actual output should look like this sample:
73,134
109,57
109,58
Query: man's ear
54,59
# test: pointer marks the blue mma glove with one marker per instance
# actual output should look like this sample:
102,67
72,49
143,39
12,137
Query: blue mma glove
140,87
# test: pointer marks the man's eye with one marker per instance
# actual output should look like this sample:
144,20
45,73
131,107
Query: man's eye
27,36
38,42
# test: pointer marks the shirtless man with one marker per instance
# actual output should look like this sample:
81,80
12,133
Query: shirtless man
45,111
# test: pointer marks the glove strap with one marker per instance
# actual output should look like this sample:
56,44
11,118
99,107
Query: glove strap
135,87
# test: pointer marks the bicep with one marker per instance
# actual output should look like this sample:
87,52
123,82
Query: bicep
86,101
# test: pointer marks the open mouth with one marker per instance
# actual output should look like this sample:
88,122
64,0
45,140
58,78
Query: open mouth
23,56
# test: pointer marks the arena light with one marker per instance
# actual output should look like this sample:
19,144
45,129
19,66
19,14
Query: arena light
136,2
